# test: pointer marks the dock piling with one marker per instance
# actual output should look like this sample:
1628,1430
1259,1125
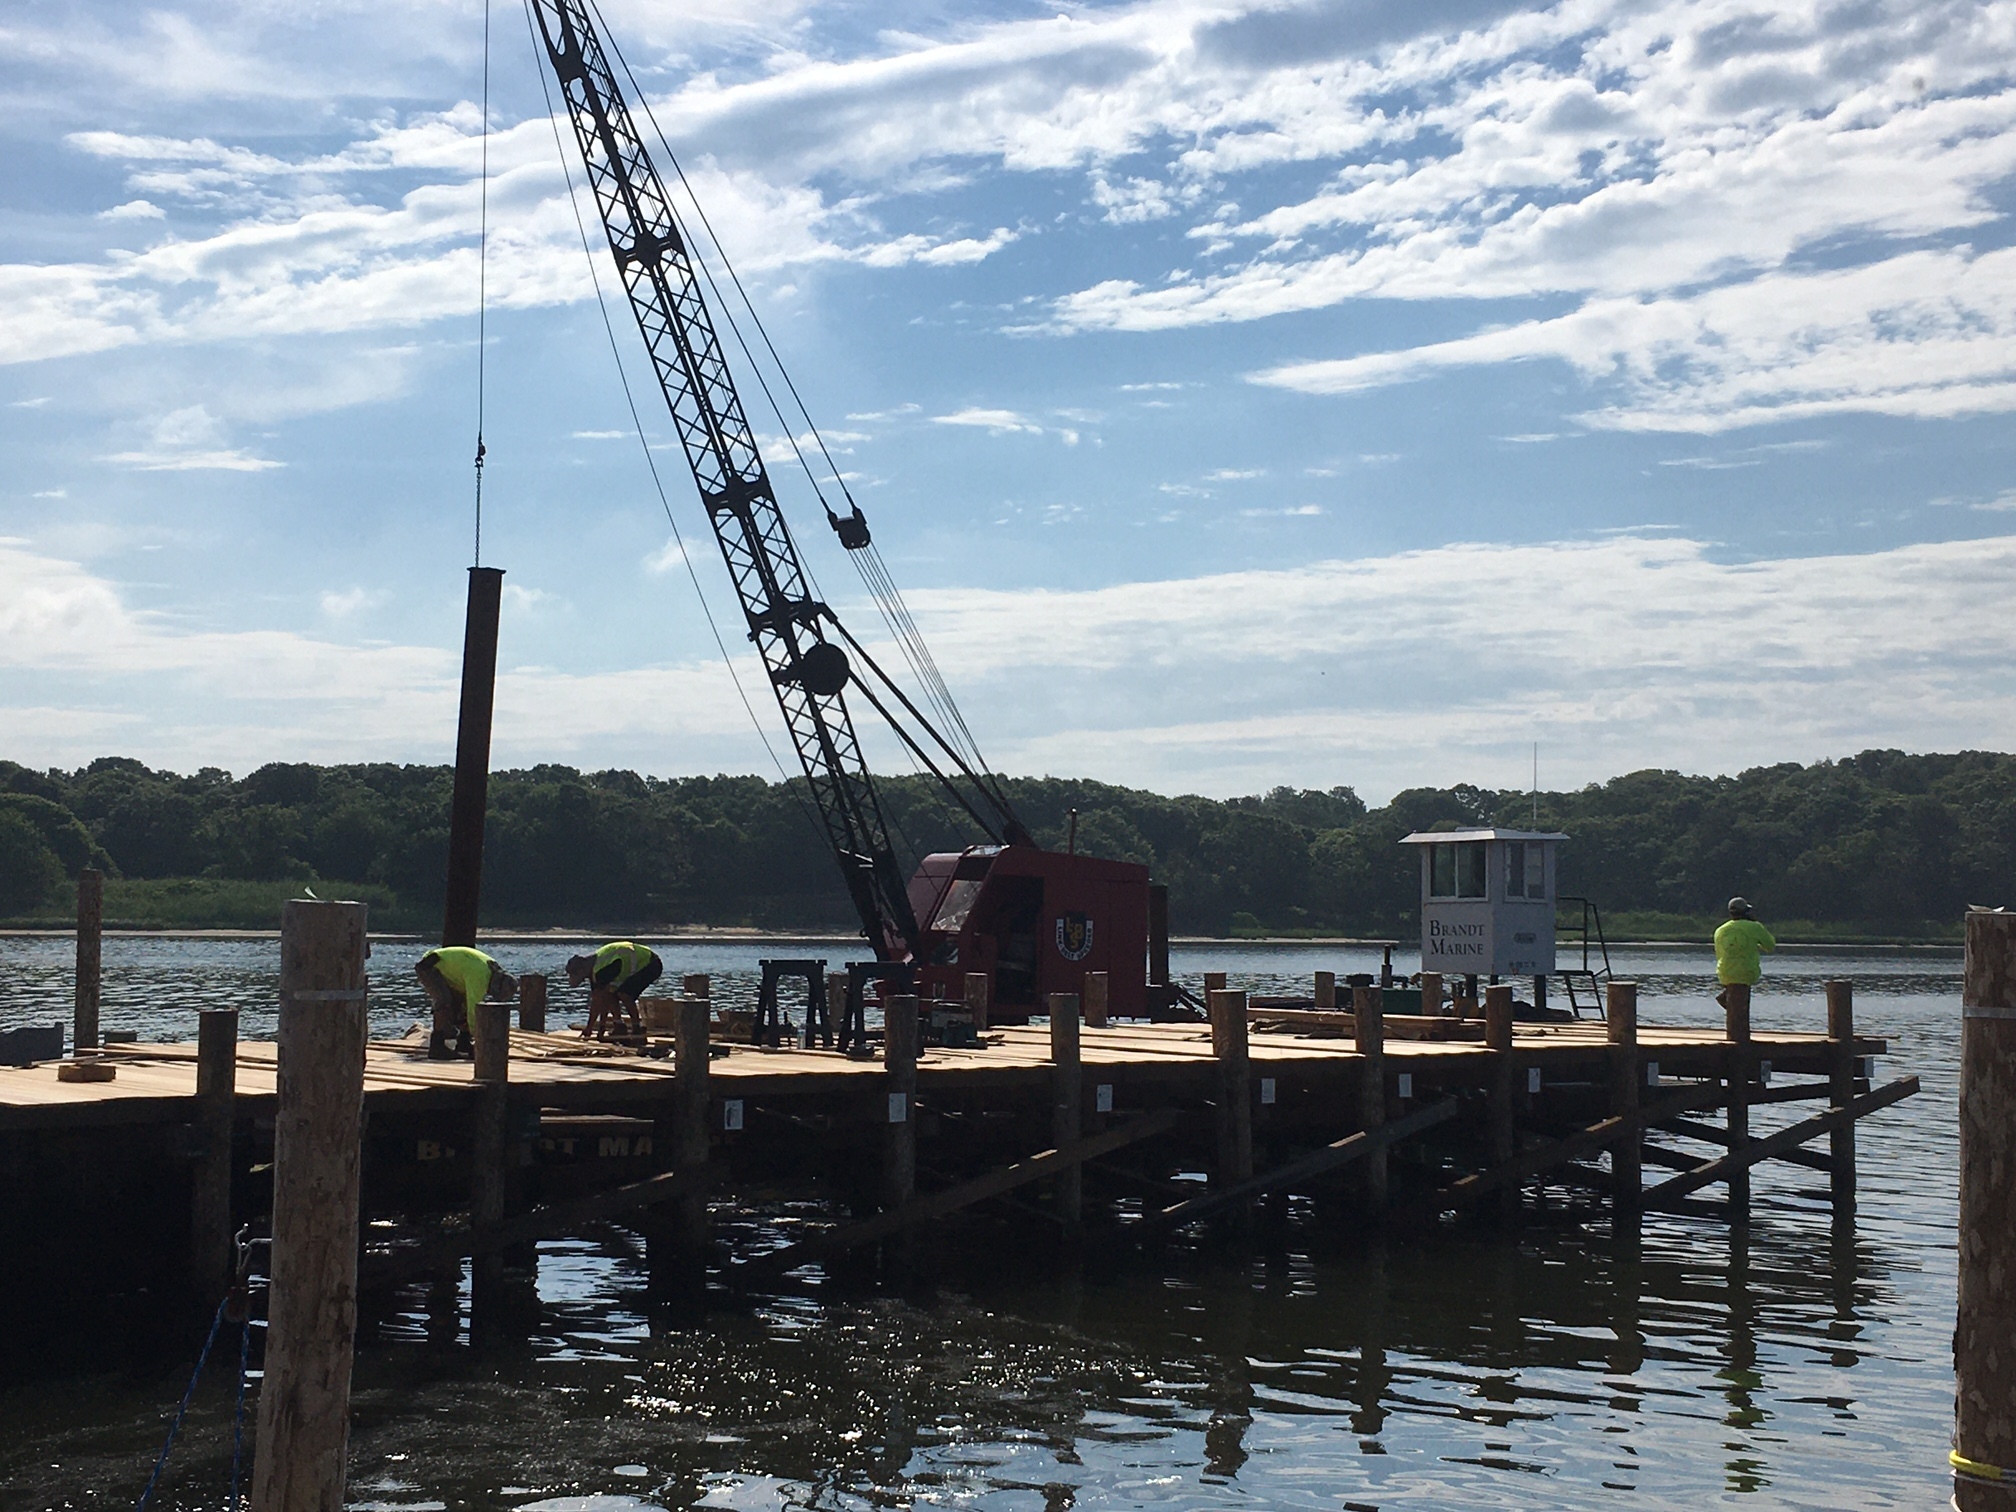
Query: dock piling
1158,934
1067,1103
899,1133
1431,993
1627,1164
89,975
1235,1092
488,1146
1369,1006
1742,1066
978,997
304,1400
1841,1079
1095,999
532,1002
1326,991
1984,1366
692,1138
211,1259
1502,1135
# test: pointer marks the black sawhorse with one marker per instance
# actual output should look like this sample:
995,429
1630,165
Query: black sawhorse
854,1022
772,1027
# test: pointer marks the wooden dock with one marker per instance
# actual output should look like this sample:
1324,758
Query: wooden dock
1113,1134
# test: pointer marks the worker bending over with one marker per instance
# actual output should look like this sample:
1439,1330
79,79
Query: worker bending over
1740,945
615,976
457,978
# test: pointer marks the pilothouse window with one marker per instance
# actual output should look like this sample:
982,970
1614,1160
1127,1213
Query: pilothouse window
1525,869
1457,871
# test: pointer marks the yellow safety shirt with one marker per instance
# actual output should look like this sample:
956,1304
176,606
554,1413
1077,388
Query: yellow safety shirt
467,970
1738,946
629,959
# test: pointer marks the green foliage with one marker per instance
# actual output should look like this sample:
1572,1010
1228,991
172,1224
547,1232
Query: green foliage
1882,844
30,872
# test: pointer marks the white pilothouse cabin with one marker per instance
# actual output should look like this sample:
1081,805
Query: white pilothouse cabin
1487,904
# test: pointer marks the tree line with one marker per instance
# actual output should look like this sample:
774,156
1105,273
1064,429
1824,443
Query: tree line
1884,843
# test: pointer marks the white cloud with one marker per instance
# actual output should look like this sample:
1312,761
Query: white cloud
190,440
597,435
1617,659
234,699
138,209
996,422
346,602
666,557
1923,333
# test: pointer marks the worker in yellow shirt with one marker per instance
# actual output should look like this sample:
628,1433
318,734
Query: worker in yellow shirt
616,976
1739,947
456,979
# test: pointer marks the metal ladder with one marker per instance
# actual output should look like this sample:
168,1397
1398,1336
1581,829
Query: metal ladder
1585,981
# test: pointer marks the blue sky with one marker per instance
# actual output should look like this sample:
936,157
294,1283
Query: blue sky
1242,393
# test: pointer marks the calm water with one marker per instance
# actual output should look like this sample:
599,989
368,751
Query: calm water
1789,1365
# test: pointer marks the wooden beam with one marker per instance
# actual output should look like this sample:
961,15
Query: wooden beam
539,1223
1575,1146
1316,1163
1812,1160
1718,1169
952,1199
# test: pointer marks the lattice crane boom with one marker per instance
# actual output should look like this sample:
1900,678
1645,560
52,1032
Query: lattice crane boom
807,670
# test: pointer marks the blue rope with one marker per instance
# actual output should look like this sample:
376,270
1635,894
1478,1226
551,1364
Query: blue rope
180,1412
238,1418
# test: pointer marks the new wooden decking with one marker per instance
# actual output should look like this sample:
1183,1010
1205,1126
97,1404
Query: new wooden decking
156,1083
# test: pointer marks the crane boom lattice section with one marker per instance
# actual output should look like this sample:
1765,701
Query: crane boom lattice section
785,621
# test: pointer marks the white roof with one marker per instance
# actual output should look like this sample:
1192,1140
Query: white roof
1444,837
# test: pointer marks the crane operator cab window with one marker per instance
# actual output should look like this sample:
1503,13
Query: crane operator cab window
1457,870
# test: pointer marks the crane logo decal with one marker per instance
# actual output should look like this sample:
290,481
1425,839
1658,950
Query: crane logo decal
1074,936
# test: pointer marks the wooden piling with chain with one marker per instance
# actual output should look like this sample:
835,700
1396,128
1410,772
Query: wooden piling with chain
304,1399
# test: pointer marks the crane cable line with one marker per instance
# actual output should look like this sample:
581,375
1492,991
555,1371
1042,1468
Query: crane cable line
482,284
637,423
873,570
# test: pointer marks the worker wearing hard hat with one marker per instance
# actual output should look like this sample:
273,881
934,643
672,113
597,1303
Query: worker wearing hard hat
456,979
1740,945
616,976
